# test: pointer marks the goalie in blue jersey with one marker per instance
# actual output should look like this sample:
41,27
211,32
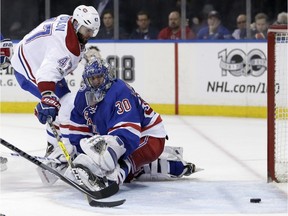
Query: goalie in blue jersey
117,134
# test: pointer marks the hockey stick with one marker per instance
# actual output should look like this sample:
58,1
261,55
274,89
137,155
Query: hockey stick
41,158
106,192
65,151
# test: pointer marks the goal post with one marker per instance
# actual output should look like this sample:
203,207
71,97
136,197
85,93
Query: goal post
277,103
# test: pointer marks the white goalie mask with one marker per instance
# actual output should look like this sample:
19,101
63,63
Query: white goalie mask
88,17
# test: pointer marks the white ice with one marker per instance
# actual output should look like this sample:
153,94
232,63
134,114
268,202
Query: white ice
232,152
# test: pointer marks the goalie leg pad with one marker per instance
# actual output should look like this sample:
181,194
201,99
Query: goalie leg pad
54,151
87,161
169,165
46,177
88,171
117,175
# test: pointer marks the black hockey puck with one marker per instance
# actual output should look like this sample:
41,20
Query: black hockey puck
255,200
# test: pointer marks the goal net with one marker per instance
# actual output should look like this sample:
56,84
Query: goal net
277,103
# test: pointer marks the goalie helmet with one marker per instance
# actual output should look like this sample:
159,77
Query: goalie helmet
87,16
98,76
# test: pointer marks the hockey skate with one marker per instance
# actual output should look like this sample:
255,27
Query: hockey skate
189,169
3,163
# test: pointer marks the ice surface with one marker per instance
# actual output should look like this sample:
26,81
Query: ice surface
232,152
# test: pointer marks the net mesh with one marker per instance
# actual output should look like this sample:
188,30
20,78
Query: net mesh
281,107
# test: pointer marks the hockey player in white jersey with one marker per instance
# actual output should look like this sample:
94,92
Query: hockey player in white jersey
45,56
117,134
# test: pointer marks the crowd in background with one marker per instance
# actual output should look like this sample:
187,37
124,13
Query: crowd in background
154,19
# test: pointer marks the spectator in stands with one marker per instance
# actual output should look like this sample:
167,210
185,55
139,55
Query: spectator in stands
282,19
260,26
197,23
240,32
214,29
145,30
173,30
107,30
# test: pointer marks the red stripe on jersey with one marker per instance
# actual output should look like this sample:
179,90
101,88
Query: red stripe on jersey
27,65
136,127
79,128
64,126
158,120
71,40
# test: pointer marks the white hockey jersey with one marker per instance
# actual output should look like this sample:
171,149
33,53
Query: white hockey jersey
49,52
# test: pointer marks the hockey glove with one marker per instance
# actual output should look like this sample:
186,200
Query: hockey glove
48,107
105,150
6,52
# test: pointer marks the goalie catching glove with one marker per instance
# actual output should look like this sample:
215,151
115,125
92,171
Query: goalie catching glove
104,150
47,107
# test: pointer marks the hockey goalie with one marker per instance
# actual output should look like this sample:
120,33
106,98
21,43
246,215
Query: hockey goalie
115,135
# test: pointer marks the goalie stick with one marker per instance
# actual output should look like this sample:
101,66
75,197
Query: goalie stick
104,193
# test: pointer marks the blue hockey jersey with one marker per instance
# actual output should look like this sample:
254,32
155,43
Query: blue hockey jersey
121,113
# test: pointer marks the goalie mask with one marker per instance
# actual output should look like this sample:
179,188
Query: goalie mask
98,77
88,22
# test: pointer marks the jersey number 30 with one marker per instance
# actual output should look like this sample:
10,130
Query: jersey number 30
123,106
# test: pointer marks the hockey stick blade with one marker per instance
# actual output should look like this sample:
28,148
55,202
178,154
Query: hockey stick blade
198,169
107,204
103,193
